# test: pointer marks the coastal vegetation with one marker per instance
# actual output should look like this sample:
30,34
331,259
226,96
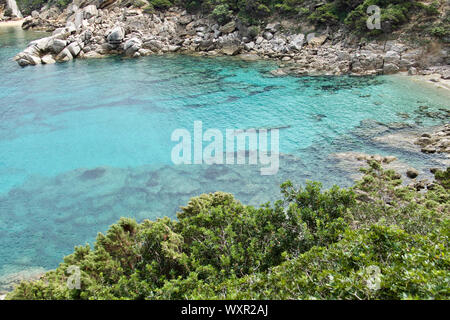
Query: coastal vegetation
379,239
321,13
27,6
313,244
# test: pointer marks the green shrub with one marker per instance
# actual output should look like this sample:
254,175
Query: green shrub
326,14
393,14
410,267
27,6
432,9
313,244
161,4
254,31
149,9
139,3
222,13
443,177
439,32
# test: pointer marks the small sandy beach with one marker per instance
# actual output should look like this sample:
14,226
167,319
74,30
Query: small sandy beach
432,80
12,23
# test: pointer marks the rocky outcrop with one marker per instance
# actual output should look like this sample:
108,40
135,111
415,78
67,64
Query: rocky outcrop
410,140
96,29
437,141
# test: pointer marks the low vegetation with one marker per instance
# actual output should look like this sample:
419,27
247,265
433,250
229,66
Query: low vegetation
28,6
376,240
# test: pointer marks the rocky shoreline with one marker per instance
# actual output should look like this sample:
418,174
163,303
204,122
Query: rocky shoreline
95,32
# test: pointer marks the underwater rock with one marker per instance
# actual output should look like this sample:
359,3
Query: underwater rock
93,174
10,280
351,162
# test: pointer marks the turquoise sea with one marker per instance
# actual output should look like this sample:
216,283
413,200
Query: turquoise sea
86,142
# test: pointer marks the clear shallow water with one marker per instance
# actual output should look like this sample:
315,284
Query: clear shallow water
86,142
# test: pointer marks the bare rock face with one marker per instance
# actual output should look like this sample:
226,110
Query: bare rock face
296,41
230,49
132,45
90,11
392,57
64,55
317,41
390,68
74,48
57,45
48,19
28,59
48,59
228,28
437,141
153,44
116,35
31,55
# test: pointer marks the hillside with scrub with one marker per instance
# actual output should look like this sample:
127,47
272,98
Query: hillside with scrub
422,18
376,240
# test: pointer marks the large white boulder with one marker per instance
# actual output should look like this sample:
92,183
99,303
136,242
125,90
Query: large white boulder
90,11
25,59
74,49
132,45
48,59
116,35
64,55
296,41
57,45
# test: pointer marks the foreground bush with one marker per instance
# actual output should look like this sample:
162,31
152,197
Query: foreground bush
312,244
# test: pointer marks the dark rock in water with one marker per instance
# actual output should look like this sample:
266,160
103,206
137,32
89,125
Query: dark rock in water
403,115
434,170
153,180
232,98
93,174
423,141
319,116
412,173
429,149
398,125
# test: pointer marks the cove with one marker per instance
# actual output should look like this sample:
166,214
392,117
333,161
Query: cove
86,142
